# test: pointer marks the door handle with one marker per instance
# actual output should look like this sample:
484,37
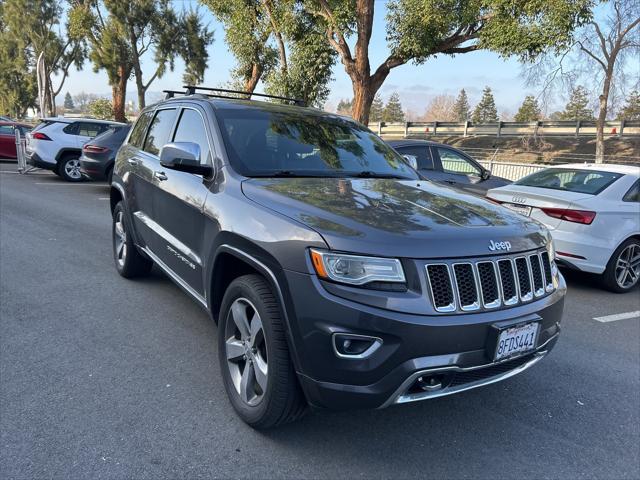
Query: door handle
451,182
160,176
132,161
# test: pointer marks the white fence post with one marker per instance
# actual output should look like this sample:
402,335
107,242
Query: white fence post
406,129
379,128
466,127
577,128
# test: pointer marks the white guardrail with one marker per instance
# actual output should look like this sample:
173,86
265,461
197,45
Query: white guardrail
580,128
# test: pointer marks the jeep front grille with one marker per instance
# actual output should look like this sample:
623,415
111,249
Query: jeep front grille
487,284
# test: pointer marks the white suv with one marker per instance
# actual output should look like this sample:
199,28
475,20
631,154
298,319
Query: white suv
56,144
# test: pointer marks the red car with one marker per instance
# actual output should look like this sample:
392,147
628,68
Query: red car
8,137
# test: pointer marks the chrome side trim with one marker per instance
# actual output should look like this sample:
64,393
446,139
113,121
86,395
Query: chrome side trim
173,241
175,277
377,343
398,397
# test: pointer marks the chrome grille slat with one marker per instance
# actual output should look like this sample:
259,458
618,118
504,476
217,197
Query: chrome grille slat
466,286
471,285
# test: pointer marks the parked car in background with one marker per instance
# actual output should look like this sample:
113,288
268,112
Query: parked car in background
56,144
450,166
98,155
8,137
593,213
5,119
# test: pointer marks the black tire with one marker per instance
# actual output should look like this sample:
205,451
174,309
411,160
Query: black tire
109,174
609,279
282,400
69,168
129,261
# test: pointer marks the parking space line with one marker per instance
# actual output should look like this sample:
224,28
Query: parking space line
72,184
618,316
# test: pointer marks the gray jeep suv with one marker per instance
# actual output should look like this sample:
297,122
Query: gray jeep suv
337,276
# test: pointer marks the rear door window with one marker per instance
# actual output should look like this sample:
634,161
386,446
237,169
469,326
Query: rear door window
159,131
590,182
139,129
6,130
422,154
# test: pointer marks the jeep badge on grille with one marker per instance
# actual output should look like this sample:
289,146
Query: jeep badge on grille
495,246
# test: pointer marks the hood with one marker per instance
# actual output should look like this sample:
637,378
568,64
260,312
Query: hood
399,218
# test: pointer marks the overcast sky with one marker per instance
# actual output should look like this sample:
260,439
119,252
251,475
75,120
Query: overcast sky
416,84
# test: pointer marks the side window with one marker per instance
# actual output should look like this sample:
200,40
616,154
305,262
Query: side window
6,130
633,195
191,129
71,129
453,162
88,129
159,131
422,154
139,129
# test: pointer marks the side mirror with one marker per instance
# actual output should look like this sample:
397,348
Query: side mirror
412,160
486,174
184,157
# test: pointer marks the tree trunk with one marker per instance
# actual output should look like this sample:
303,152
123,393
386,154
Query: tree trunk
363,95
251,81
602,115
119,93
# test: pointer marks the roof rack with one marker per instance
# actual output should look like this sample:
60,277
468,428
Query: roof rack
225,93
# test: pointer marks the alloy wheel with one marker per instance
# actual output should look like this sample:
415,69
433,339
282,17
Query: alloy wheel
628,266
246,351
120,239
72,169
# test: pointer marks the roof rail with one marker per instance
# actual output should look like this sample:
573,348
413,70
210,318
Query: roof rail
171,93
225,93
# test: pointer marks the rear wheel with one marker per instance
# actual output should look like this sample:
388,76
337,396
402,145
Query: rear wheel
254,357
623,270
69,168
129,261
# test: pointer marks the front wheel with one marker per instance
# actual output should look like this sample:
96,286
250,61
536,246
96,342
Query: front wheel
623,270
254,357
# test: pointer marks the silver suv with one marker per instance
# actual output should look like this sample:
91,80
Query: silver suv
56,144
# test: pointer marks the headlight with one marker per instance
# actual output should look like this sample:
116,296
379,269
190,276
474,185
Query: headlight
355,269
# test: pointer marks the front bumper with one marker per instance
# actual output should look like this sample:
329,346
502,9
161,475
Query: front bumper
452,346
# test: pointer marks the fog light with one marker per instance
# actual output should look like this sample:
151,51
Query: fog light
430,383
347,345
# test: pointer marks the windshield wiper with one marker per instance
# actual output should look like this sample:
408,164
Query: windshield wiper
370,174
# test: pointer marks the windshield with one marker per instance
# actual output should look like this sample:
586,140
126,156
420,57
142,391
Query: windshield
266,143
580,181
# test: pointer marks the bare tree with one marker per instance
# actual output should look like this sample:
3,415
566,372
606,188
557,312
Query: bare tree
441,108
605,43
597,58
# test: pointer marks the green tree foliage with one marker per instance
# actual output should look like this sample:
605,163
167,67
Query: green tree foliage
344,107
393,109
377,109
68,102
631,108
121,32
461,108
101,109
277,42
35,28
196,37
485,111
18,90
578,106
528,111
418,30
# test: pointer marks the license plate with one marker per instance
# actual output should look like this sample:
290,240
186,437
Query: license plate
521,209
515,340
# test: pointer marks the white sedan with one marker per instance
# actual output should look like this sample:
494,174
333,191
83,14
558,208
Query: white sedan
592,212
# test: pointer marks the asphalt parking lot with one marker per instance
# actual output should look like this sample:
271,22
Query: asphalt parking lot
101,377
